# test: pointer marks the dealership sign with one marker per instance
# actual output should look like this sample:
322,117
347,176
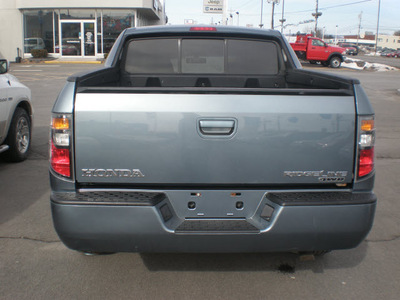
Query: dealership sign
213,6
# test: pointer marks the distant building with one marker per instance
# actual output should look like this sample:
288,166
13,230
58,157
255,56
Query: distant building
80,28
389,41
384,41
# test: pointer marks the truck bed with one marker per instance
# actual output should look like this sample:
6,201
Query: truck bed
293,81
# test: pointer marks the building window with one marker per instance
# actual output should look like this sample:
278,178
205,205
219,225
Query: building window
38,30
75,14
114,22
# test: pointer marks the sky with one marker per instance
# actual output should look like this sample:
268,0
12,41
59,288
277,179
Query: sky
338,16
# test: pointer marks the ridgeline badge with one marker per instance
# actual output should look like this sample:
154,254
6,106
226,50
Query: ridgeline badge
323,176
108,173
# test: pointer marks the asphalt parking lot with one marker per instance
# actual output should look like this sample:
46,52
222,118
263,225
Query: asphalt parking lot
34,264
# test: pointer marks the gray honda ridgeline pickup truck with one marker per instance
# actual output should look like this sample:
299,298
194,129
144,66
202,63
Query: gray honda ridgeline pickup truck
210,139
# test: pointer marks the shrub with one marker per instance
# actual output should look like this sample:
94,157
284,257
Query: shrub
39,53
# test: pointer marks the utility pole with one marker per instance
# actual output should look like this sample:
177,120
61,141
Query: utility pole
377,27
359,27
316,15
283,20
262,8
273,10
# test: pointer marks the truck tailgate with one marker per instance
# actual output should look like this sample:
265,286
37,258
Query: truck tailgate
195,139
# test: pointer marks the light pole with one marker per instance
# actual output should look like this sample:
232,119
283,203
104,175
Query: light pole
336,35
359,27
262,8
224,12
283,20
238,18
377,27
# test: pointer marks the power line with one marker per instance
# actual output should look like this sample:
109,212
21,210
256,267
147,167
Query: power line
245,4
346,4
329,7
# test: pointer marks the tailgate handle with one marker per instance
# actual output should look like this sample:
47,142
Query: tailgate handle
217,127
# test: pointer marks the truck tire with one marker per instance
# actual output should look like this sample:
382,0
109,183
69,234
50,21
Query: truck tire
19,136
335,62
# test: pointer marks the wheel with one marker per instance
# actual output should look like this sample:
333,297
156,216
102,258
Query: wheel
19,136
335,62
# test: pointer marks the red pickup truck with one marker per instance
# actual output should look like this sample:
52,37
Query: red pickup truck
314,49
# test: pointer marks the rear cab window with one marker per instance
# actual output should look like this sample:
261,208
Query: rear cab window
201,56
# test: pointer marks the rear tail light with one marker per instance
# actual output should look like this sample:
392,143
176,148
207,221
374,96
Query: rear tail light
60,145
366,145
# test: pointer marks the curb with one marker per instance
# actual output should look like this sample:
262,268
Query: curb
72,62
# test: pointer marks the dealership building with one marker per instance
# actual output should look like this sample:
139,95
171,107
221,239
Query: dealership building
73,28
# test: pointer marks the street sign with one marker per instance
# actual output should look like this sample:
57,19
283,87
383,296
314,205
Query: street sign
213,6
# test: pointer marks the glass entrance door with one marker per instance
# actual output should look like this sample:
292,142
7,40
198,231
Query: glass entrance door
78,38
71,39
89,37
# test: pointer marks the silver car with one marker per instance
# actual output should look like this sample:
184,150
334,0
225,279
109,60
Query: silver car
16,116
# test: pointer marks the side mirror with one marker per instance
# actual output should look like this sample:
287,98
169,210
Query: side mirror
326,45
3,66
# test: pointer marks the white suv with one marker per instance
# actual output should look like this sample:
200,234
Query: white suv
16,116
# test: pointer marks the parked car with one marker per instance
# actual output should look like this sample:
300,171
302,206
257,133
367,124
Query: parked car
393,54
350,48
386,51
33,43
16,116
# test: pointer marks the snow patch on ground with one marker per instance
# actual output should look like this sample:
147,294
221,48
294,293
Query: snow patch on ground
358,64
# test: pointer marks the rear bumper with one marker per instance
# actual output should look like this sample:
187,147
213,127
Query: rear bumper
303,226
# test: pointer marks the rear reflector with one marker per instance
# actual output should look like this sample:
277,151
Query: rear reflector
203,29
366,162
60,161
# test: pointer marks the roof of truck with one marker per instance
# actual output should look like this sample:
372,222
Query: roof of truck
202,28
